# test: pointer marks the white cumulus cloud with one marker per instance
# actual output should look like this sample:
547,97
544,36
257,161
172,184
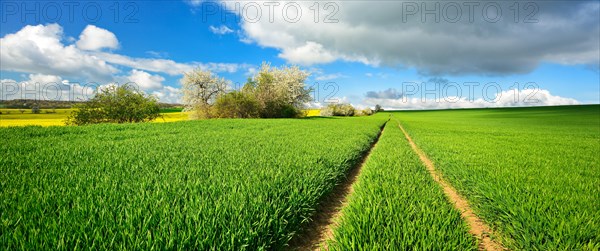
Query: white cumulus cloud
308,54
93,38
45,87
166,65
38,49
48,56
44,79
144,80
169,94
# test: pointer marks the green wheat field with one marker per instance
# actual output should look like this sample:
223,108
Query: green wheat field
531,174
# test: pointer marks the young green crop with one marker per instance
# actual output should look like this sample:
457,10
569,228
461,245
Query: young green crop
396,205
532,173
218,184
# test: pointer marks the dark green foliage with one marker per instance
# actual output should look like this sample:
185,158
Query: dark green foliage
35,109
278,109
236,104
256,100
171,110
122,104
42,104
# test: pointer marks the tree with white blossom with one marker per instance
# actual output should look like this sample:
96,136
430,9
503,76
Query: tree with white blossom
271,93
280,92
200,90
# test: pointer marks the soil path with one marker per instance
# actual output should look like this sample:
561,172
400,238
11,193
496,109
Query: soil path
478,228
316,234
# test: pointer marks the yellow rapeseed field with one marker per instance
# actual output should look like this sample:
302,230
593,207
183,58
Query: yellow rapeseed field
57,117
312,112
172,116
14,117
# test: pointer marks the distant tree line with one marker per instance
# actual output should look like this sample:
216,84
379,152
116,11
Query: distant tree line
56,104
348,110
41,104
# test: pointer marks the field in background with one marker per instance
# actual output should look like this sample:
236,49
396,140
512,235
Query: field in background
56,117
49,117
172,117
313,112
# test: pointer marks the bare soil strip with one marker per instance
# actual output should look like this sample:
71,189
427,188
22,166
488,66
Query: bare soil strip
478,228
316,234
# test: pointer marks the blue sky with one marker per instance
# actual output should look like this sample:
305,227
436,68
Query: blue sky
373,50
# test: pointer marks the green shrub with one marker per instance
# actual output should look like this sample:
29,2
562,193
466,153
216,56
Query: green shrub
123,104
35,109
366,112
338,110
236,104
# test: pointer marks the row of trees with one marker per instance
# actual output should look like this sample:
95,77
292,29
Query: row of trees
271,93
347,110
